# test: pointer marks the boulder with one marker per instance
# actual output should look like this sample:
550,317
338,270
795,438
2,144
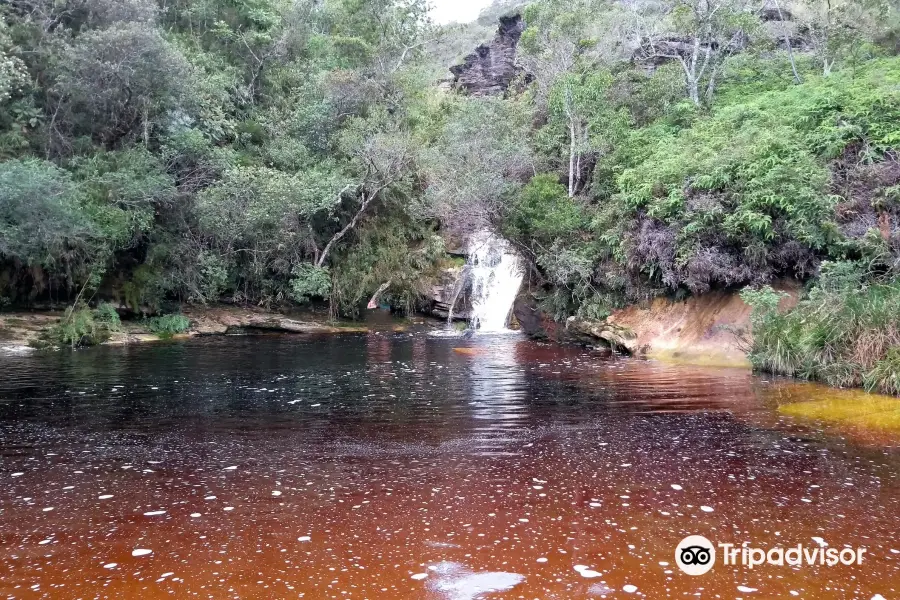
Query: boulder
620,339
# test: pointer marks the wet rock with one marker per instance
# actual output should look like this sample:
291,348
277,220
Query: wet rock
531,320
449,293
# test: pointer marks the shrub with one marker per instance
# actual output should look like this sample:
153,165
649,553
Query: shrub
41,224
310,282
81,326
165,326
746,193
543,212
105,314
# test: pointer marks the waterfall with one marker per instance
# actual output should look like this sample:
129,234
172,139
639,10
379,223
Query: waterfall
495,273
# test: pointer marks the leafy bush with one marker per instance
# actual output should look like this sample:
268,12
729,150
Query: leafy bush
105,314
168,325
310,282
407,255
81,326
40,224
543,211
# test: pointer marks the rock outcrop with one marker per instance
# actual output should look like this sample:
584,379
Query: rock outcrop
712,329
620,339
492,67
450,293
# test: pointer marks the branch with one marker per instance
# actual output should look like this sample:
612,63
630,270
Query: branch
340,234
373,301
407,49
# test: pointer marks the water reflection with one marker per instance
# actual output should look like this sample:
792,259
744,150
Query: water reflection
496,395
392,466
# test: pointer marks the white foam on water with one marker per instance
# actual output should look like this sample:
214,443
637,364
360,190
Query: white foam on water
456,582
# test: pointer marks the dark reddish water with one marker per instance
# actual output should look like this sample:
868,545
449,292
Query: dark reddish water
398,466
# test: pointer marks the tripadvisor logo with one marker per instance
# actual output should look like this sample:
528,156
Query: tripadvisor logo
696,555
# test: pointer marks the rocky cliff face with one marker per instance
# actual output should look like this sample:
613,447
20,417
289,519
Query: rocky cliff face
491,68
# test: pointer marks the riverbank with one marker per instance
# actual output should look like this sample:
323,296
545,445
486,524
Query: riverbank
24,331
711,330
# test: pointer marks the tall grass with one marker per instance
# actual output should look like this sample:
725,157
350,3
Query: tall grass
845,332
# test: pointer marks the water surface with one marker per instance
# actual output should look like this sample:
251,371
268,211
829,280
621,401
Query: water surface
395,465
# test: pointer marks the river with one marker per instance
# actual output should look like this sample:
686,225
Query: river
406,466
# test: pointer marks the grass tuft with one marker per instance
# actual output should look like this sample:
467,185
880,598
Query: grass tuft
845,334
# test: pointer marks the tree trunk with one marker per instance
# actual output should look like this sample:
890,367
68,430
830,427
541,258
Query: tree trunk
693,91
690,75
571,158
787,41
572,143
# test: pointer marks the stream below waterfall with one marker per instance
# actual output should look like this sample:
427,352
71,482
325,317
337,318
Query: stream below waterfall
405,466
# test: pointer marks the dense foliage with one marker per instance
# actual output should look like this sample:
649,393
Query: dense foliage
200,151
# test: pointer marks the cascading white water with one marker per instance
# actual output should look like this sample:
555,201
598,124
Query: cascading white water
496,275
